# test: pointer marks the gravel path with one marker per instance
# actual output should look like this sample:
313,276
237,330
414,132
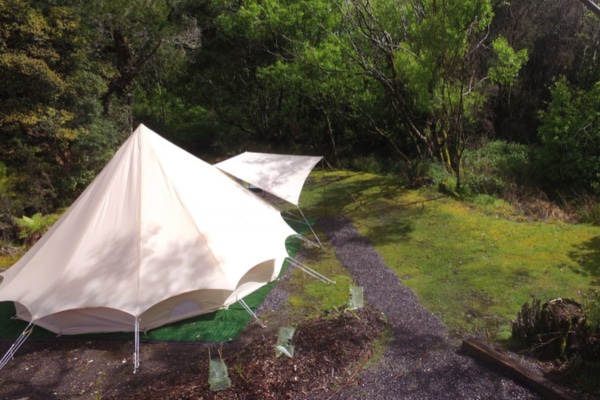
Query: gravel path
421,362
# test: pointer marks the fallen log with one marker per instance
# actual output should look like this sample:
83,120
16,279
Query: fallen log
533,380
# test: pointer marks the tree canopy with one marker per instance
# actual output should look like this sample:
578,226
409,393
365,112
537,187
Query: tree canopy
386,85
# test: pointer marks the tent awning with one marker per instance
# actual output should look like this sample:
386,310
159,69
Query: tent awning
282,175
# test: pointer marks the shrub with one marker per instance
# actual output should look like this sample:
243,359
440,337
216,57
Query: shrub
568,157
496,167
32,228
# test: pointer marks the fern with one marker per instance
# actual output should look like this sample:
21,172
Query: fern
32,228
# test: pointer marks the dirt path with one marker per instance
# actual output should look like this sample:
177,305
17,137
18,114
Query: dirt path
421,362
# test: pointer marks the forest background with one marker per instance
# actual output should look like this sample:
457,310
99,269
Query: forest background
492,97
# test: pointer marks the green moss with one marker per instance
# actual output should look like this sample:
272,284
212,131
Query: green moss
472,264
379,346
6,261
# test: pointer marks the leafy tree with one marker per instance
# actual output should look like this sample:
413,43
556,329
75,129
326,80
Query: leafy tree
223,77
506,63
424,54
39,84
569,156
561,39
350,76
140,39
66,83
312,97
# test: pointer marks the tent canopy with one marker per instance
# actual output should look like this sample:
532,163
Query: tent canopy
279,174
157,237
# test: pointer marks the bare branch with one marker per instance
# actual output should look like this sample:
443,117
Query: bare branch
593,7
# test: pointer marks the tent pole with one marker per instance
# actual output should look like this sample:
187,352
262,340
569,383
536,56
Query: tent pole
299,235
304,239
136,351
13,349
310,271
249,310
310,226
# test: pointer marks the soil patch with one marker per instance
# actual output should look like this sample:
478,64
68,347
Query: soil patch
328,353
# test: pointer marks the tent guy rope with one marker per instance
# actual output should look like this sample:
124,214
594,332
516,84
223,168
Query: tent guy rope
18,343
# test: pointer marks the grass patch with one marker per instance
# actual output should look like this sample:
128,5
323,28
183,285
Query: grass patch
469,264
310,297
380,345
6,261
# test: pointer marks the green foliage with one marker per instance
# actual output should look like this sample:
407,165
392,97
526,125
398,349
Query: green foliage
369,163
50,87
32,228
424,57
570,136
7,196
507,62
588,210
56,134
496,167
592,311
279,78
359,82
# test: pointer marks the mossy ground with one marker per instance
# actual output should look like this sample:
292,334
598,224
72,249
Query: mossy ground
472,264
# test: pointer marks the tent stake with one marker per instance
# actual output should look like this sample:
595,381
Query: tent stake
13,349
249,310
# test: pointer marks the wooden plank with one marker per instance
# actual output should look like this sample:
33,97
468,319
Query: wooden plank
530,378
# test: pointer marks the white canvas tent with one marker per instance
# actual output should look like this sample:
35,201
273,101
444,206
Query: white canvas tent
282,175
158,236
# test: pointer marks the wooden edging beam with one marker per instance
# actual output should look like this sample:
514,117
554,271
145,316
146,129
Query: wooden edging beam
535,381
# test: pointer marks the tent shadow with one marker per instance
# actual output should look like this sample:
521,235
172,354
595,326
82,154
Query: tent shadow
587,256
343,195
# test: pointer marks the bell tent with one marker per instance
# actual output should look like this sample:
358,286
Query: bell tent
157,237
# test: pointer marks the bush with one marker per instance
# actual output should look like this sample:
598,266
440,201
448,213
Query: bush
495,168
32,228
588,210
568,158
